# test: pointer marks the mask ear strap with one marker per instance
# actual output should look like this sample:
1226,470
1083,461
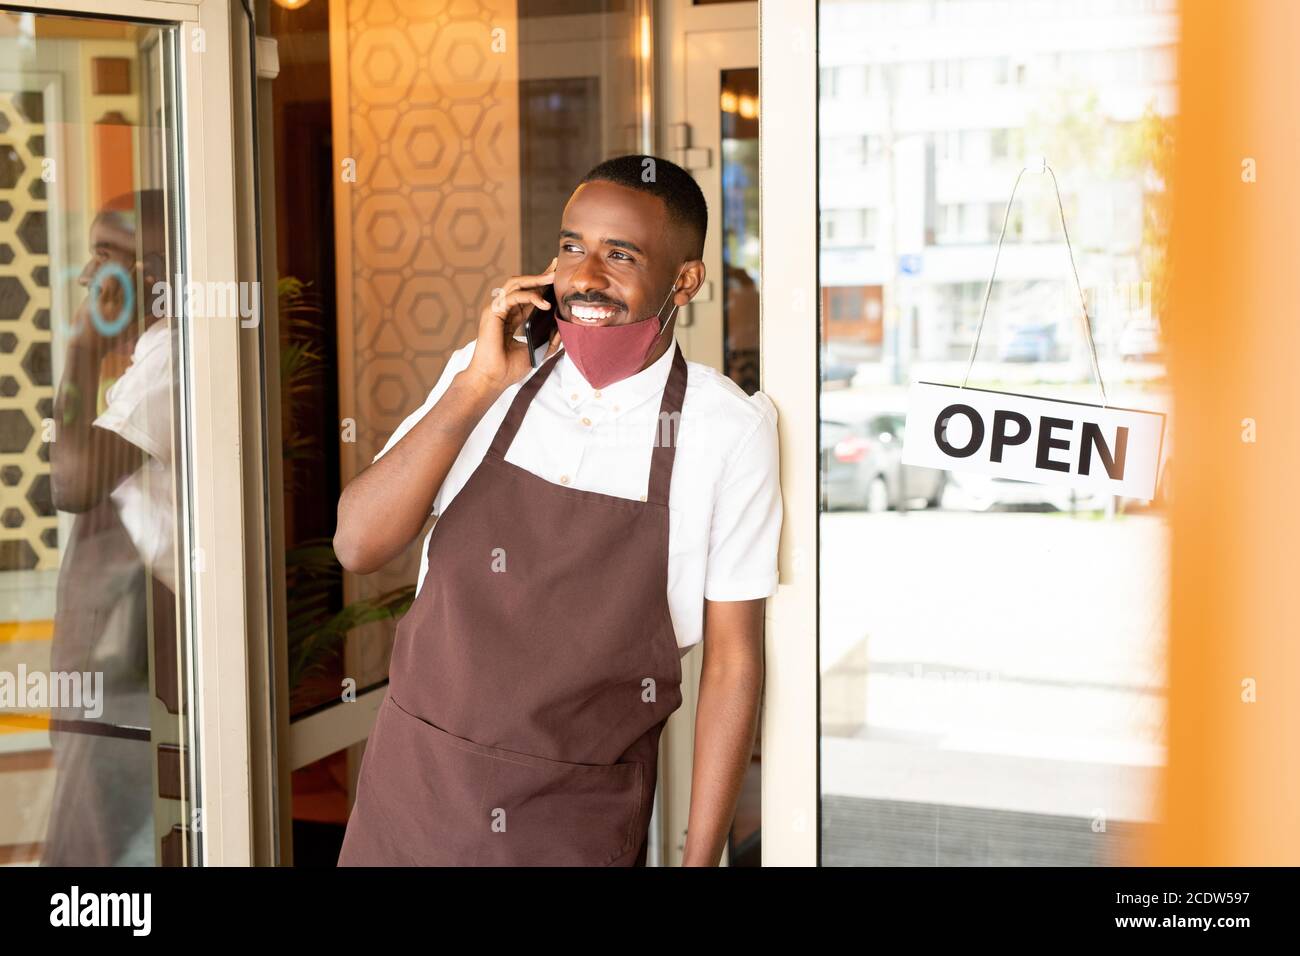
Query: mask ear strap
671,293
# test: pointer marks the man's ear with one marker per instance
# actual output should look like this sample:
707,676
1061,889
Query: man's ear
691,281
152,269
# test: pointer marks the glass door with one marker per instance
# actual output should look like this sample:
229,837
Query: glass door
92,757
990,651
121,541
963,671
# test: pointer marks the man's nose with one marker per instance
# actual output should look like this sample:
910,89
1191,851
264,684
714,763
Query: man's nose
588,276
87,274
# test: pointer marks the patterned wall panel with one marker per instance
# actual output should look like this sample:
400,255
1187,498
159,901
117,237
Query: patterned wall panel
426,105
28,532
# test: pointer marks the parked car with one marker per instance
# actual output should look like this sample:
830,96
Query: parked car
1140,339
862,468
836,373
1029,343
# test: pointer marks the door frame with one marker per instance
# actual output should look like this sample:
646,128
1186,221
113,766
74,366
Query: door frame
224,690
220,679
788,361
688,132
789,374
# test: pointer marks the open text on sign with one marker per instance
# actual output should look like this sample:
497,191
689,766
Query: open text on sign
1006,435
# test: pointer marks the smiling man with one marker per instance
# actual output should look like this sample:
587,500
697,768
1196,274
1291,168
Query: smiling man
597,517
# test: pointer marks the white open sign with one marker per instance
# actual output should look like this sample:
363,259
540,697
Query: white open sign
1111,450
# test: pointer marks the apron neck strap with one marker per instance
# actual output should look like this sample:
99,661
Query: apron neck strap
666,428
519,407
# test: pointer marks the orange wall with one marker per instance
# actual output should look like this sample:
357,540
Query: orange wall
1231,794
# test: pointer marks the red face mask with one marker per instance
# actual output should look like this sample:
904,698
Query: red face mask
605,354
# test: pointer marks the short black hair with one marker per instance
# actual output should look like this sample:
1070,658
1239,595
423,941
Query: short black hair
674,185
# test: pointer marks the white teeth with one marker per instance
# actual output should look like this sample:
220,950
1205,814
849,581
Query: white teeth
590,314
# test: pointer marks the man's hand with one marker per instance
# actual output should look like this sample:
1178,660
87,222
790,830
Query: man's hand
87,463
109,302
499,360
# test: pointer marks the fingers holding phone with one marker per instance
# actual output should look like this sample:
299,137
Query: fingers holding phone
501,359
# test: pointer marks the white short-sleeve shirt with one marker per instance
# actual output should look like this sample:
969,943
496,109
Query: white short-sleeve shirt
139,408
724,501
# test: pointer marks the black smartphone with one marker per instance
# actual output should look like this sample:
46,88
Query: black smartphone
540,326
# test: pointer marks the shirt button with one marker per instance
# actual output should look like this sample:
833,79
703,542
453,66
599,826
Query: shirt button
643,497
564,479
596,394
615,408
586,421
574,396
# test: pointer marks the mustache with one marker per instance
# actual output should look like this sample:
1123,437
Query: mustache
593,300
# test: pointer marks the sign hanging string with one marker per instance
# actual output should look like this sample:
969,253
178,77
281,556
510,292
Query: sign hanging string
1040,166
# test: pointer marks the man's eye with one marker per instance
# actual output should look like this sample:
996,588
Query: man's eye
623,254
567,247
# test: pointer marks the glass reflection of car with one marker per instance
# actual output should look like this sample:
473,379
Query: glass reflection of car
969,491
862,468
1029,343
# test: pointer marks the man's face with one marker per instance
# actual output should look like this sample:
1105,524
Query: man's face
617,257
108,244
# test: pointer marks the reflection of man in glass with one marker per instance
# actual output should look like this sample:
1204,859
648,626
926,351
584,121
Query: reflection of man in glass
110,464
742,328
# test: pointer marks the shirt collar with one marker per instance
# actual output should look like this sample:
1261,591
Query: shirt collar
622,395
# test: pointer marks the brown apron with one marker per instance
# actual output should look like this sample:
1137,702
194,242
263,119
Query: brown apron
532,676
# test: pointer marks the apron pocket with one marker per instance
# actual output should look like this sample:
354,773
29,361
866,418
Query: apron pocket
458,802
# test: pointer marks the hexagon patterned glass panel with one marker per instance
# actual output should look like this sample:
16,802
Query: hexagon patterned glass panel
424,153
